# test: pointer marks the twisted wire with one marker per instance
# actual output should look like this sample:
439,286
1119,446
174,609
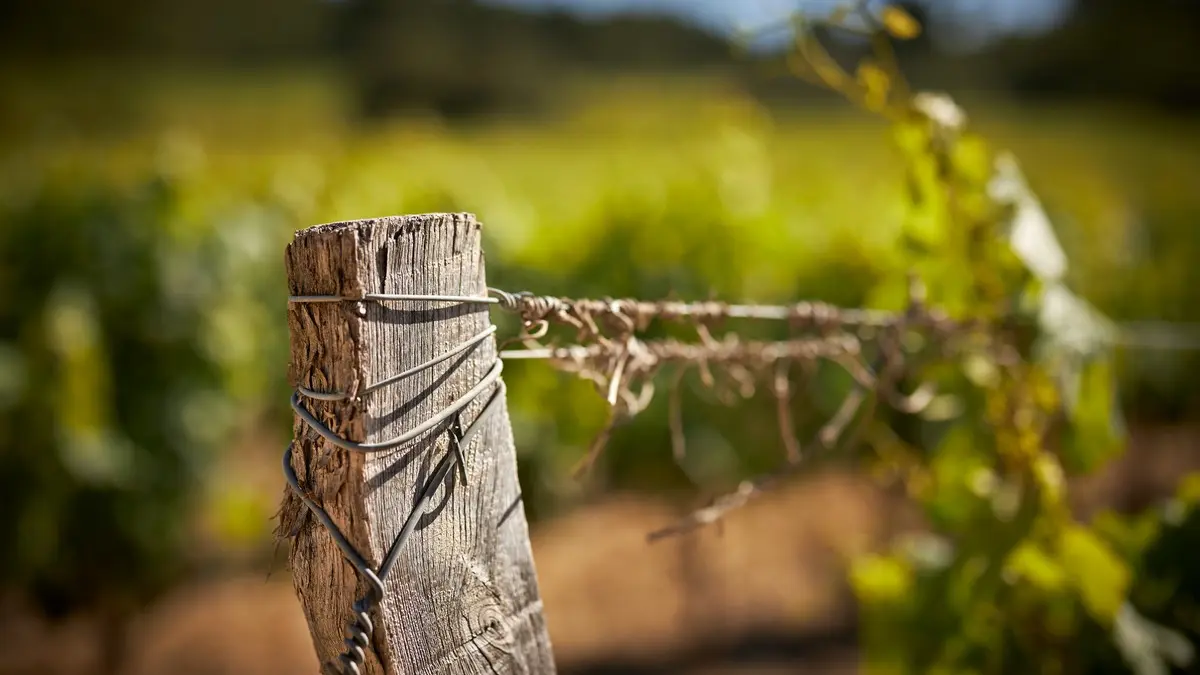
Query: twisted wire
624,317
360,628
627,315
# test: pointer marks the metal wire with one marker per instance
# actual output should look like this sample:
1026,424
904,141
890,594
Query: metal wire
360,629
390,297
536,310
328,434
1140,335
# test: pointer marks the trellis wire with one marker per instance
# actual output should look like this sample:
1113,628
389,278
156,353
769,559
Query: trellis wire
360,629
624,355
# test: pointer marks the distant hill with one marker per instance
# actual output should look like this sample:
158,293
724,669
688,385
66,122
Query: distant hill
461,57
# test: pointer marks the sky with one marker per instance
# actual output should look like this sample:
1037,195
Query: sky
983,19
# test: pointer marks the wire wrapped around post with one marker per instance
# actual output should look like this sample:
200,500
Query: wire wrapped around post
360,627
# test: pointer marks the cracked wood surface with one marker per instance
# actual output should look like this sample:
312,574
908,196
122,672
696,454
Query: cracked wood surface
463,595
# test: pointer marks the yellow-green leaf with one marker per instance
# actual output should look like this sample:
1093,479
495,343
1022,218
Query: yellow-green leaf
880,580
1189,489
1100,577
1049,475
1095,433
899,23
927,220
912,136
1031,564
876,85
821,63
972,159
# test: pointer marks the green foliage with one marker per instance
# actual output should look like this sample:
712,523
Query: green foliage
169,288
1018,585
123,356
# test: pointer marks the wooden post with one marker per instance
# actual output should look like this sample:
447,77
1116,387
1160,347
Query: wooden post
462,596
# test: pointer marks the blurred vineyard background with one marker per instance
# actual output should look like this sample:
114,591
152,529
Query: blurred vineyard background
154,161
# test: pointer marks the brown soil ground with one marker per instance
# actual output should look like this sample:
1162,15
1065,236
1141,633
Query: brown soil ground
764,595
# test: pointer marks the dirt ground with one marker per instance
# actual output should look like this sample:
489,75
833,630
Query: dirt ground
764,595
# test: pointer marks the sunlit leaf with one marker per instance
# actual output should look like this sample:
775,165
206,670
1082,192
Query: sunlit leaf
876,85
972,159
1129,535
1029,563
1100,577
1095,431
880,580
927,218
1188,491
1050,480
912,136
899,23
821,62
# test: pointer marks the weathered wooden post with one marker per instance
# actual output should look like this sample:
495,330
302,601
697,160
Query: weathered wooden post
462,594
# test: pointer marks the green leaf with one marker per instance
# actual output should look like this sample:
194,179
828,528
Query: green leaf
912,136
899,23
1099,576
1029,563
956,468
881,580
1095,431
928,219
1130,535
971,158
1189,489
875,83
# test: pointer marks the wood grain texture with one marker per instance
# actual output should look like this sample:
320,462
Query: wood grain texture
463,595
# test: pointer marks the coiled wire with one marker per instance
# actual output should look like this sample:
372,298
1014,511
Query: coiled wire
361,628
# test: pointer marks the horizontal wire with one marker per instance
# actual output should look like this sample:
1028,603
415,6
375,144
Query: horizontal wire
1154,335
341,395
1159,335
1144,335
508,301
326,433
393,297
472,342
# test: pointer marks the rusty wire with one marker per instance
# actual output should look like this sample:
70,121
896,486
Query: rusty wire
611,354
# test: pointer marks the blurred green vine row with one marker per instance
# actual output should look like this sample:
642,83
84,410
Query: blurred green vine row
143,322
1007,579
